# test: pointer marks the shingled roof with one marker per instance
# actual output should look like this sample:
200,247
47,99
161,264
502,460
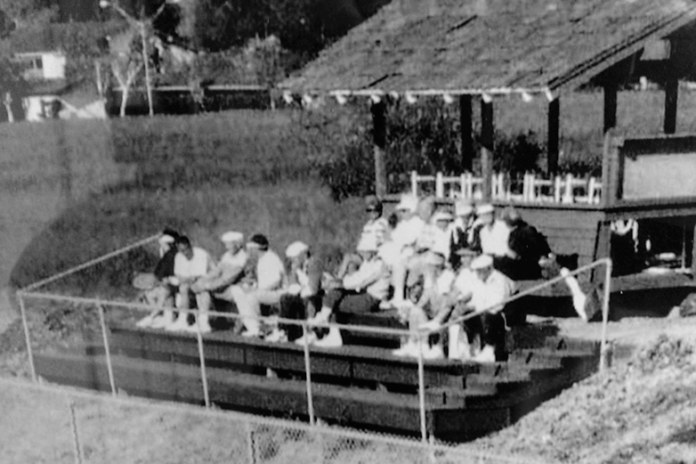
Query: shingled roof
489,46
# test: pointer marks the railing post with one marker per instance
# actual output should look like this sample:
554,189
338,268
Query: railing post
76,435
421,388
27,336
107,351
250,442
201,357
603,364
308,373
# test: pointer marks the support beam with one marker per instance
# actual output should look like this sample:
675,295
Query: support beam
671,94
610,99
487,148
379,126
554,128
466,130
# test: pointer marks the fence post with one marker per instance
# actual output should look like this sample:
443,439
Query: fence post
76,435
107,351
250,442
201,357
308,375
421,387
27,336
605,316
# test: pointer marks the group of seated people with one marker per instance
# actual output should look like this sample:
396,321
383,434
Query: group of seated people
427,265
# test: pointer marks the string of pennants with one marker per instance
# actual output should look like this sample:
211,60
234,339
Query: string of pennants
342,97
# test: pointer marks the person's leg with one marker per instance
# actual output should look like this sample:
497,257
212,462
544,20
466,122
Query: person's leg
183,302
292,307
248,309
493,336
204,303
329,305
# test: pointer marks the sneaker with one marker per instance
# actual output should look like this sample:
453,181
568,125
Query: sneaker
251,333
194,328
385,305
322,317
162,321
147,321
277,336
180,324
487,355
409,349
310,339
435,352
332,340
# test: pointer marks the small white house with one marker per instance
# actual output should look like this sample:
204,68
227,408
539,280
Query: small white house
42,65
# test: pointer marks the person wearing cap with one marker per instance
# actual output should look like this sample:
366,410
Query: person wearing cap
266,284
484,295
219,281
360,292
161,292
376,226
190,264
492,234
461,230
436,298
401,247
304,292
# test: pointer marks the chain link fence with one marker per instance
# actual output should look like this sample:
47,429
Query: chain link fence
70,425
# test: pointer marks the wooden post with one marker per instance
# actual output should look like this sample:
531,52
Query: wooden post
466,130
379,126
554,117
671,94
487,148
693,253
610,98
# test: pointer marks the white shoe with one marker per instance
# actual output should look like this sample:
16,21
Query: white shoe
487,355
162,321
310,339
251,333
435,352
385,305
322,317
332,340
180,324
194,328
409,349
277,336
146,321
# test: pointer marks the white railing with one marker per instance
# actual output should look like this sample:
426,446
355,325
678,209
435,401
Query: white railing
101,305
531,188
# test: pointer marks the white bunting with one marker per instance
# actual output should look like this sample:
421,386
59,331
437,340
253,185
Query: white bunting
410,98
527,97
448,98
549,95
376,98
394,95
486,97
341,98
307,99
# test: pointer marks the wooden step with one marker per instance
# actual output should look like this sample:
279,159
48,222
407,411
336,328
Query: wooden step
345,365
366,409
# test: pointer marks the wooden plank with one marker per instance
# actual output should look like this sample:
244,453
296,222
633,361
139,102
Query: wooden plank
554,113
671,95
349,364
379,131
466,132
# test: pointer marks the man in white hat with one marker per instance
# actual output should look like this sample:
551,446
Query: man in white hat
304,292
493,234
219,281
361,292
401,247
486,297
461,230
161,292
190,264
436,299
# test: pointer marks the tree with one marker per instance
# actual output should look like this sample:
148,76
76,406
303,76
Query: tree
12,86
126,62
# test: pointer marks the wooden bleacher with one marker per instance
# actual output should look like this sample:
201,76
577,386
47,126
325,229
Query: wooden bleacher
361,386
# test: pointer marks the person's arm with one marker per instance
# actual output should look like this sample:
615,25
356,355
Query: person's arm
315,271
368,274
